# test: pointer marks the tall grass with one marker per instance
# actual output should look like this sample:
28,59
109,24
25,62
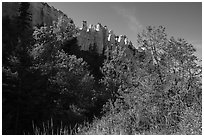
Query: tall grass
49,128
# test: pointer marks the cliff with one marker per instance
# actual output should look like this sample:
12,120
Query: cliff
95,37
41,13
99,38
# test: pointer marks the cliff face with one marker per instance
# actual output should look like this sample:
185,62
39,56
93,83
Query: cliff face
94,37
98,37
42,13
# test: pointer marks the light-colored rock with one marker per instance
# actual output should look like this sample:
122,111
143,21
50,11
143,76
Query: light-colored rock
84,25
121,40
95,37
100,37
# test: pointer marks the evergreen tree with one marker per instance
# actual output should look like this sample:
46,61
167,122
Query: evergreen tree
17,62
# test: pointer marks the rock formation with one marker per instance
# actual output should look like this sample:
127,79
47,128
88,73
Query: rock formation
41,12
99,38
93,38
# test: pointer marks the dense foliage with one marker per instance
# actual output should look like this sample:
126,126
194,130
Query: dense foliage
154,89
40,80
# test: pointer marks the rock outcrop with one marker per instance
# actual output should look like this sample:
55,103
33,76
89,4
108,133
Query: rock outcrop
41,12
93,38
98,37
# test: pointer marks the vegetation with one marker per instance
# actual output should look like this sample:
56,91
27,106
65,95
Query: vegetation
154,94
50,86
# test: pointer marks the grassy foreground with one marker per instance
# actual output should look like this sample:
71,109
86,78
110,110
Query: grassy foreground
124,123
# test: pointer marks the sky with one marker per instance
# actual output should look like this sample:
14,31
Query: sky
181,19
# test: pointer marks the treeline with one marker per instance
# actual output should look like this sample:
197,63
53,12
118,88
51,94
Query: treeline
46,76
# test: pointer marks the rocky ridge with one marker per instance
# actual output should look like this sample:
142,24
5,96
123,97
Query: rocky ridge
94,37
98,37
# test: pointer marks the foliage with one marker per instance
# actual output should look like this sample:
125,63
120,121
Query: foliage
16,75
191,123
67,76
40,79
155,87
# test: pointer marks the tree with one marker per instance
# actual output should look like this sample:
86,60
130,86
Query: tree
154,82
16,66
32,80
67,76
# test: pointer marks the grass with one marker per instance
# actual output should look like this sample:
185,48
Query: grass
49,129
126,123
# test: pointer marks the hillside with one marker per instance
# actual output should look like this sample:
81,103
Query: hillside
61,79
